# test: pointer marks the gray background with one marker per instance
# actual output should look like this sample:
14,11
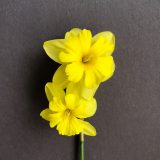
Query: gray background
128,116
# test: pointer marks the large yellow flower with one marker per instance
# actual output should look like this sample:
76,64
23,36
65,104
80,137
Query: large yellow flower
66,111
84,58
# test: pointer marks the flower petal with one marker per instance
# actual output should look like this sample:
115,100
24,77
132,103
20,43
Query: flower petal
72,51
105,66
45,114
70,57
80,89
53,48
77,45
90,79
103,44
74,71
88,93
85,37
55,119
70,126
72,32
71,101
53,90
88,129
60,77
57,105
86,108
48,90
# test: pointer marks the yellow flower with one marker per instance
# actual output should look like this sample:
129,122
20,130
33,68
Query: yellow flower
84,58
66,111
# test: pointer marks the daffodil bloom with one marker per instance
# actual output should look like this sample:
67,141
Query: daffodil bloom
85,58
66,111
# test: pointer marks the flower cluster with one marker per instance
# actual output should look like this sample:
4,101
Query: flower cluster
86,61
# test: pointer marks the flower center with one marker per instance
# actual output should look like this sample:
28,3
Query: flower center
86,59
67,112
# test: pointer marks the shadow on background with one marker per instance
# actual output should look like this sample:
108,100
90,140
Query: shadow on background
42,71
76,147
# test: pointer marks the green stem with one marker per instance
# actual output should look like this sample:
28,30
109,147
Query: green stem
81,146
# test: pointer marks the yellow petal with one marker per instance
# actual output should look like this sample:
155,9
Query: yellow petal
70,126
90,78
45,114
75,126
85,37
86,108
88,93
53,48
80,89
48,90
53,124
73,32
103,44
57,105
72,51
53,90
69,57
55,119
105,66
71,101
60,77
88,129
74,71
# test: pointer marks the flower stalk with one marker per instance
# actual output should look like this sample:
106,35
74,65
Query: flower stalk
81,146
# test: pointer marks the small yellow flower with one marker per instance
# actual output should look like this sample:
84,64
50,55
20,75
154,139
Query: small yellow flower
66,111
84,58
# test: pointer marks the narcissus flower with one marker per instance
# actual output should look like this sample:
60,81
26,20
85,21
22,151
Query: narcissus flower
66,111
85,59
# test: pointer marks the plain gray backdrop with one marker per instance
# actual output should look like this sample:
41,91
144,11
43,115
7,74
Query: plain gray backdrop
128,115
